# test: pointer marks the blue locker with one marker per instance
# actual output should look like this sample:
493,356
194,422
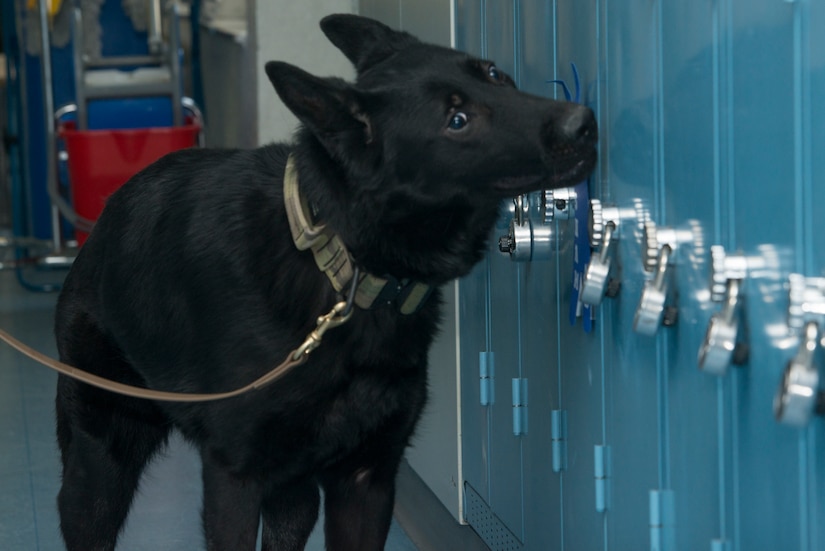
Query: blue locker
712,130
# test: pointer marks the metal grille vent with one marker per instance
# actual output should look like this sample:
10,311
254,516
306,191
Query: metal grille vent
486,524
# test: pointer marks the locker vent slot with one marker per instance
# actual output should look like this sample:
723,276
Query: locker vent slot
486,524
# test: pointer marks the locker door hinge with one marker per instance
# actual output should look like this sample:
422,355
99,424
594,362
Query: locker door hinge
720,545
486,373
520,406
558,436
662,520
601,474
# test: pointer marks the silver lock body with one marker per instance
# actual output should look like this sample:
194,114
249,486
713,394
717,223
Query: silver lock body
597,275
716,352
659,246
798,393
532,233
605,223
728,272
651,307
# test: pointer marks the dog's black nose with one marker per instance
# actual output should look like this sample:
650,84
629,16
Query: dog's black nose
570,124
579,126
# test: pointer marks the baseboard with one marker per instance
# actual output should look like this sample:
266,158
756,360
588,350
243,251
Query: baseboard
426,521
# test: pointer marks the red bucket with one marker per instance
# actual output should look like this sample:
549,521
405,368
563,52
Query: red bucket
100,161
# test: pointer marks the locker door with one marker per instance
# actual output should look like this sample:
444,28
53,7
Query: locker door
580,362
544,282
497,481
689,185
771,150
636,372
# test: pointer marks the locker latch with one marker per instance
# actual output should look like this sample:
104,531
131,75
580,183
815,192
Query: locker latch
601,475
532,234
659,246
486,375
520,407
558,439
720,348
799,396
662,520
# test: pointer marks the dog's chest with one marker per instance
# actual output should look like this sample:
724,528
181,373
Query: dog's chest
328,425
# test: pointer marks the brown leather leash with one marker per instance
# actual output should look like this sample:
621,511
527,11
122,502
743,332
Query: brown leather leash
339,314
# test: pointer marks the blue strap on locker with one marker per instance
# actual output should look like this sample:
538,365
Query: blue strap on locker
581,252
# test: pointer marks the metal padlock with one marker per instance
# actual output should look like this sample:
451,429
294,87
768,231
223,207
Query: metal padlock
658,249
597,276
727,274
716,352
558,204
604,230
806,301
532,235
518,242
654,238
650,311
799,396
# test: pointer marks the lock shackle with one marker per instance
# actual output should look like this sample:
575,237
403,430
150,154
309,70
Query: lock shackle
661,266
519,208
809,344
728,311
604,251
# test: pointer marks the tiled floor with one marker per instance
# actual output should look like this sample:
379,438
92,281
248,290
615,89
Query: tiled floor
166,513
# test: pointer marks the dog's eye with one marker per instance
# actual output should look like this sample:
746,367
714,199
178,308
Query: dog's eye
492,72
458,121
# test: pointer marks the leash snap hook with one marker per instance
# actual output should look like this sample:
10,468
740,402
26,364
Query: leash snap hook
339,315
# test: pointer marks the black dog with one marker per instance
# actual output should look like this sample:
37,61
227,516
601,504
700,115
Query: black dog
191,281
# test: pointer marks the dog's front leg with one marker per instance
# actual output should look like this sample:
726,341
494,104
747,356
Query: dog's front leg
231,508
289,513
358,507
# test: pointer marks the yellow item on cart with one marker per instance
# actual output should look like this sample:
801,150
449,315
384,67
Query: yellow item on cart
52,6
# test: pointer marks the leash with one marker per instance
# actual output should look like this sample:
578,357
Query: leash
332,258
340,314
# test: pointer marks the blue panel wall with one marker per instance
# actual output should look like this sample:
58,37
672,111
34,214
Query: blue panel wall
712,123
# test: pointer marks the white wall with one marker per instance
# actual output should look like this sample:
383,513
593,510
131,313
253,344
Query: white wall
286,30
429,20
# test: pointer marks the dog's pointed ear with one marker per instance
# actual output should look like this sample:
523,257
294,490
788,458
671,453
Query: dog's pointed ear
329,107
364,41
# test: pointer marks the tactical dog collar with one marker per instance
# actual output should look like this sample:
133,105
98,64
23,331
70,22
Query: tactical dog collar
333,258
